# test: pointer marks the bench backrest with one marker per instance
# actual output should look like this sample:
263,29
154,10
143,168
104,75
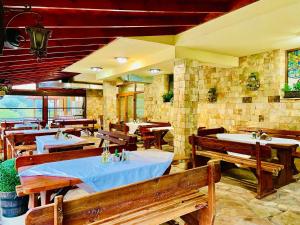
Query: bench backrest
118,127
59,156
202,131
27,139
214,144
118,202
75,122
129,142
293,134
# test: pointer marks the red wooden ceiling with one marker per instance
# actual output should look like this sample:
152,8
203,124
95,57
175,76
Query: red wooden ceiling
80,27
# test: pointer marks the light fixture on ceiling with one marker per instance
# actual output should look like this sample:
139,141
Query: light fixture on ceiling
121,60
96,68
154,71
38,34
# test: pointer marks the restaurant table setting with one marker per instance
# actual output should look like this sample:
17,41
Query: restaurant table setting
26,125
133,126
100,174
42,142
251,139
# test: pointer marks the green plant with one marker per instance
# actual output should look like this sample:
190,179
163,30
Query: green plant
9,178
296,86
286,88
168,96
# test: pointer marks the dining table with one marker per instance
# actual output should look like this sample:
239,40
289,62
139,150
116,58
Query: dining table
91,173
284,149
159,133
45,143
134,126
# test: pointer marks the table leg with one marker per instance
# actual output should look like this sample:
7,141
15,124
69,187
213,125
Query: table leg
33,201
45,197
286,175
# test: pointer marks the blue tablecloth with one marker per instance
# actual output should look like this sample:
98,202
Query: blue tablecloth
142,165
22,125
50,140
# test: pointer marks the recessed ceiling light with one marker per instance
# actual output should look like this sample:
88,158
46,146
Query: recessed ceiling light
96,69
121,60
154,71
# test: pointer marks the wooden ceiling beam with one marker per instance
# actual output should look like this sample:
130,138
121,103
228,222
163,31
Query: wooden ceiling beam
34,69
49,56
89,19
155,6
50,50
32,61
35,65
115,32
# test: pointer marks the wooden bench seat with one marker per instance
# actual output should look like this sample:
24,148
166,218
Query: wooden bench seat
260,159
150,202
252,163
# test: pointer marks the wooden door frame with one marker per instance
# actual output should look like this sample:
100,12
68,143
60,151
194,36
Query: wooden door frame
126,95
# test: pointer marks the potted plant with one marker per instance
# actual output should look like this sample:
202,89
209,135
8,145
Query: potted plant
168,97
212,95
3,91
11,204
292,92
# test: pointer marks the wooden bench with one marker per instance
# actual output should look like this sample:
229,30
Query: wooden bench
118,127
150,202
259,161
202,131
127,142
85,124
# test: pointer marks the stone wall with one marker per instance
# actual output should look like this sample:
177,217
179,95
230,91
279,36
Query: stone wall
264,111
155,108
94,104
110,91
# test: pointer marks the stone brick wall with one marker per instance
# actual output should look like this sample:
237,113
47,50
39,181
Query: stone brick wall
94,104
230,111
110,91
155,108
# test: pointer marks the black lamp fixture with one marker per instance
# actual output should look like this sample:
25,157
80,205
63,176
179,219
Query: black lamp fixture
38,40
38,34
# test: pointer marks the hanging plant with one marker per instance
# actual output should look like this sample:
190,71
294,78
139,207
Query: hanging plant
3,91
253,82
168,97
212,95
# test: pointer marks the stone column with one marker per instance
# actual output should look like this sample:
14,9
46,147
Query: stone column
186,76
110,92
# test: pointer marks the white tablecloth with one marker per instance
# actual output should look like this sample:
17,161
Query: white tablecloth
50,140
142,165
160,128
247,138
134,126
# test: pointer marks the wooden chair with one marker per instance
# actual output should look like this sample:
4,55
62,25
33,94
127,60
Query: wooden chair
150,202
259,161
127,142
123,128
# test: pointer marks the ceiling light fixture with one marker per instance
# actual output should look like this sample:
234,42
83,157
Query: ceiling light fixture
121,60
96,68
154,71
38,34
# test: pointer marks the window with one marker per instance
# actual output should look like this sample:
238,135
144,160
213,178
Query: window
293,66
19,107
66,107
